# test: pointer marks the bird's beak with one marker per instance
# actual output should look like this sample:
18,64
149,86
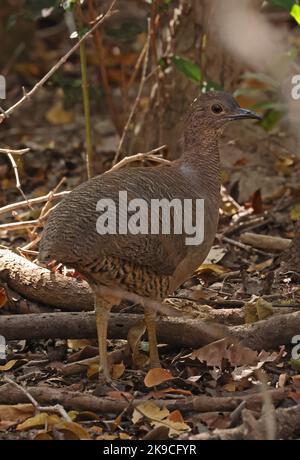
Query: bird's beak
242,114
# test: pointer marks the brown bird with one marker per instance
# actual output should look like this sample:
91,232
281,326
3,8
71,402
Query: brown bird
135,263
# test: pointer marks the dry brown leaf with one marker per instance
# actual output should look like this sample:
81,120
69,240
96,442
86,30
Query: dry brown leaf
44,436
230,387
256,202
150,410
39,421
160,417
215,420
260,266
257,309
72,430
176,391
57,115
134,337
124,436
176,416
119,395
245,371
295,212
282,380
156,376
296,380
175,427
214,268
285,164
92,370
3,297
214,353
118,370
11,415
107,437
12,364
95,429
215,254
27,68
78,344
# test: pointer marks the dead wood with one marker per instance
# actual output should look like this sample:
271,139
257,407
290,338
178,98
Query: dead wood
175,331
191,333
287,423
269,333
33,289
41,285
9,394
266,242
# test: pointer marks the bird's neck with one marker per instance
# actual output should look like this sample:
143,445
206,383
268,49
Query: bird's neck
201,157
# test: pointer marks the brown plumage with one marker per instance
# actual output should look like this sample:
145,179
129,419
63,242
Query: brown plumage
149,267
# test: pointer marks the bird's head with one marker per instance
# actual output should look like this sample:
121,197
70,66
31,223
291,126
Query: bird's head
212,110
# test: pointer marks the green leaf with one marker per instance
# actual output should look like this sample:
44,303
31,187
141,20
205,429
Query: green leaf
295,13
271,119
213,86
188,68
286,4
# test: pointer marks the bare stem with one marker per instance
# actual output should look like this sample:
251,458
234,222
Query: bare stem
137,100
98,42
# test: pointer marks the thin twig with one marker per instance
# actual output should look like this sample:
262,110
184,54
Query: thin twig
244,247
137,66
159,92
16,172
26,224
141,157
98,42
137,100
86,103
57,409
46,206
49,74
14,152
32,201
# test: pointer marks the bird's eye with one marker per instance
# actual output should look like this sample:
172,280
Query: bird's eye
216,108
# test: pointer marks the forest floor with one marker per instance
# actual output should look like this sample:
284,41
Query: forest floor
225,389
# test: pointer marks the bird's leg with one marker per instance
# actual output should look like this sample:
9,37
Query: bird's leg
150,316
103,306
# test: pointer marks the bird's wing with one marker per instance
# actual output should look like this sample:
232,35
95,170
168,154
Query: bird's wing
77,215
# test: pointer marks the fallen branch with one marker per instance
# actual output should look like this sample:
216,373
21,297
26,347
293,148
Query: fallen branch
55,409
265,242
287,423
41,285
42,289
269,333
87,402
19,305
190,333
74,325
